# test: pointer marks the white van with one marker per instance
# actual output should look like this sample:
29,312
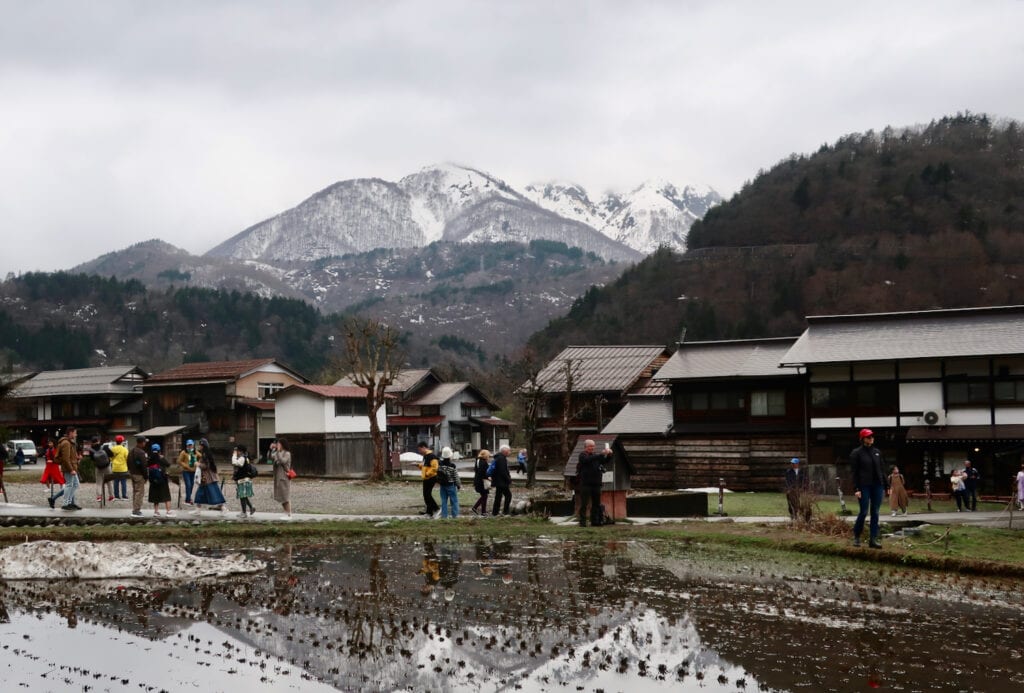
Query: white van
27,446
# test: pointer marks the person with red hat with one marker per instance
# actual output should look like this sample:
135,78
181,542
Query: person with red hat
869,483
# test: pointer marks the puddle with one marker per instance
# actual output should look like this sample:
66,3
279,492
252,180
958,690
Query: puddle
540,615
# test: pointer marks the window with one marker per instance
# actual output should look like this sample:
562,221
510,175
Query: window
268,390
1009,391
768,403
710,401
967,392
344,406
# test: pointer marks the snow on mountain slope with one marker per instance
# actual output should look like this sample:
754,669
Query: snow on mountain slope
655,213
458,203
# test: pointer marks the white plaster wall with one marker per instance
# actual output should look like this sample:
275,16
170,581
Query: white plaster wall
975,416
839,422
874,422
296,413
1010,416
920,396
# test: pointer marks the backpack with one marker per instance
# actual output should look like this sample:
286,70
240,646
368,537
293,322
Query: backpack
100,460
250,469
156,474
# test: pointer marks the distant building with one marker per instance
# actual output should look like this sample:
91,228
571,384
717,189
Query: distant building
328,429
423,408
584,387
101,401
937,387
226,402
735,414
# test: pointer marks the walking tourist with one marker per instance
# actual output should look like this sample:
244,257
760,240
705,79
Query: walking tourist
243,476
448,477
101,464
52,474
501,480
1020,488
159,484
428,472
898,498
187,461
796,487
282,459
68,458
209,493
480,481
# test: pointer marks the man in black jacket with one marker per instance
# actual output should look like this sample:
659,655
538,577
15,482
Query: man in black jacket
501,479
589,469
869,482
971,476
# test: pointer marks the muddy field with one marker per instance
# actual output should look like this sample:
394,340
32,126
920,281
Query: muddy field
543,614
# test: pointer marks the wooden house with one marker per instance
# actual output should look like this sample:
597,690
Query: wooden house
583,388
735,415
103,401
227,402
937,387
328,429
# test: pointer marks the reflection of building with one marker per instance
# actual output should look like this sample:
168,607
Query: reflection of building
104,401
328,429
227,402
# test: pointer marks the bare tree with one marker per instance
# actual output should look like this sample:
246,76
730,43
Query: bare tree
570,408
373,359
531,396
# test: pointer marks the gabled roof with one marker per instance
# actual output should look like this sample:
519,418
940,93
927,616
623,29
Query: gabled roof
745,358
602,368
405,381
443,393
962,332
642,415
327,391
216,371
82,381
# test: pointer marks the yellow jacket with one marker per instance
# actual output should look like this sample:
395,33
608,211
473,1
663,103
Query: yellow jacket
118,459
428,468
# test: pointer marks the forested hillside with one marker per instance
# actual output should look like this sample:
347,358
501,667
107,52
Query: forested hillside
922,218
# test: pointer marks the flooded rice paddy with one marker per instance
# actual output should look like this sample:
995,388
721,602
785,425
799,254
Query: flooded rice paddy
536,615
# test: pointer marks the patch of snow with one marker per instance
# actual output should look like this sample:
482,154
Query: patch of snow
85,560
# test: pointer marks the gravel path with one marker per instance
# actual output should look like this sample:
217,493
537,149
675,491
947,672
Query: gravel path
401,497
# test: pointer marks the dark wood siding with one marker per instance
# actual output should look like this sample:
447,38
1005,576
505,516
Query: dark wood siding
331,455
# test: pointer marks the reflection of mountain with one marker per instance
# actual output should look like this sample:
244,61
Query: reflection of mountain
543,616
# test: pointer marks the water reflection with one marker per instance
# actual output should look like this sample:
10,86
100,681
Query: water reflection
537,615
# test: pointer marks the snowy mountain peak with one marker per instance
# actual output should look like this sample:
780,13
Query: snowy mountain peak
458,203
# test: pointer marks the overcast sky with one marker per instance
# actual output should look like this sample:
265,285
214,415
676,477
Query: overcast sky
189,121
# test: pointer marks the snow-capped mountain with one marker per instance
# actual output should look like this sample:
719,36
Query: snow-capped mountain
461,204
655,213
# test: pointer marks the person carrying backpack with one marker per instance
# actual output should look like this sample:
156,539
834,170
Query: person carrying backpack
243,475
101,461
448,477
159,483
